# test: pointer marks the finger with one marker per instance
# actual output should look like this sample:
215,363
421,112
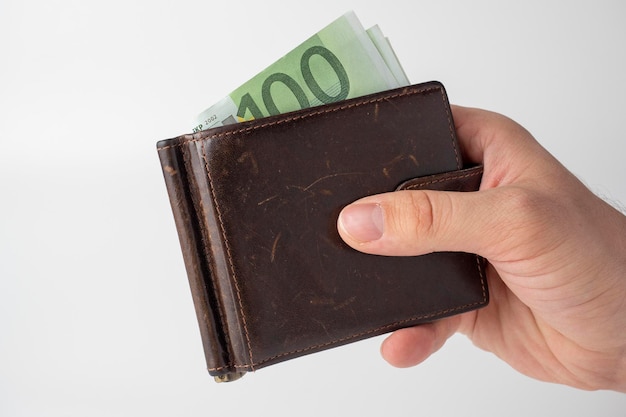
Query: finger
478,130
411,346
406,223
495,141
470,125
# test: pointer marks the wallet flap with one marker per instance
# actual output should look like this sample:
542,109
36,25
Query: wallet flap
467,179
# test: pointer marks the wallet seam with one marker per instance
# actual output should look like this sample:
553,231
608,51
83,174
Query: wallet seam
407,92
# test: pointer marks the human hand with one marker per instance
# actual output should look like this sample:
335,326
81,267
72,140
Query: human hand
556,252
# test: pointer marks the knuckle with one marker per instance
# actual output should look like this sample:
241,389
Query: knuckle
529,206
529,214
418,215
424,211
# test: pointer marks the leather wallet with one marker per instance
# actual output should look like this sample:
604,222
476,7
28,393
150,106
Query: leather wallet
256,206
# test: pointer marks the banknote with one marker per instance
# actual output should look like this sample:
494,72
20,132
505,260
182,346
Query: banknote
387,53
343,60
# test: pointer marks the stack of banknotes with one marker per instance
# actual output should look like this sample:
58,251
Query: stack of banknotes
341,61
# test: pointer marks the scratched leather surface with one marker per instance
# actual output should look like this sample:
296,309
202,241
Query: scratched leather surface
271,191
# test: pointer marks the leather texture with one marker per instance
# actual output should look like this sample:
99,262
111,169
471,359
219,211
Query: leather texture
256,206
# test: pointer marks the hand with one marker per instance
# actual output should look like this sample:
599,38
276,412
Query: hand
556,252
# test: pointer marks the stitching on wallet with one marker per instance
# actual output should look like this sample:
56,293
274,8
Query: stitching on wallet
229,255
321,112
211,281
482,278
451,128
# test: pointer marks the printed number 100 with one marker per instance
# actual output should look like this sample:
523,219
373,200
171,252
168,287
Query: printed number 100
248,103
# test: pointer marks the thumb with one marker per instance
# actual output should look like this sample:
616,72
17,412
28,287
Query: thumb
407,223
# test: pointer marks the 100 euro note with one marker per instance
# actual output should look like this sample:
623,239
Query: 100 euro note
341,61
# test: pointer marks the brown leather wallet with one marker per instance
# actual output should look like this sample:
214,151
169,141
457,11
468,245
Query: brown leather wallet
256,206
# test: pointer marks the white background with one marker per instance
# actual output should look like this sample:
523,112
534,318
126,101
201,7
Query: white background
96,316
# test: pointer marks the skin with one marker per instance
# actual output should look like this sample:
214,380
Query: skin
556,252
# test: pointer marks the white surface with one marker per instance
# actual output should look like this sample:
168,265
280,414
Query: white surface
96,317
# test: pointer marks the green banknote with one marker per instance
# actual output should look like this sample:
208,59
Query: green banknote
341,61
